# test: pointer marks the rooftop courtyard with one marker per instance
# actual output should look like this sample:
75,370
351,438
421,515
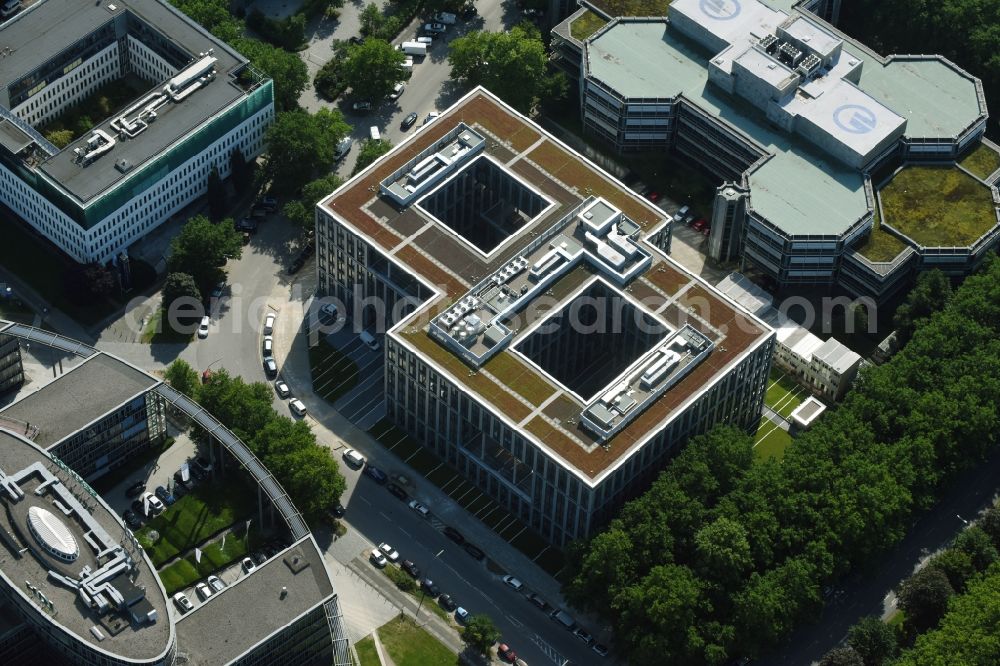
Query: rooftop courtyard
938,206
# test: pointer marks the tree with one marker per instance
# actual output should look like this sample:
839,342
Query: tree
301,145
201,250
371,151
373,68
371,19
931,293
873,640
60,138
956,565
990,523
480,633
214,16
723,549
180,285
841,657
287,70
302,211
924,598
183,377
240,172
976,543
513,65
216,195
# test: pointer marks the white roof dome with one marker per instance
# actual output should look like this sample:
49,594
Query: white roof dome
52,534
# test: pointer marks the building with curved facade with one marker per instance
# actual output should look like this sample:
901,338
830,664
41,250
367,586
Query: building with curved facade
798,121
76,588
96,196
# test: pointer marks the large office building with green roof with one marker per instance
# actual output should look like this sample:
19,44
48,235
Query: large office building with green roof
793,118
130,172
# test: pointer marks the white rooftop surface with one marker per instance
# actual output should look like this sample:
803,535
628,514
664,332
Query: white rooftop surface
799,189
837,356
813,35
730,20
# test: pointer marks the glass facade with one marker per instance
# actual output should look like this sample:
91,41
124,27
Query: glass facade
11,370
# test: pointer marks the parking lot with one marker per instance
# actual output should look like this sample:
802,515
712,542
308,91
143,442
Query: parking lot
349,374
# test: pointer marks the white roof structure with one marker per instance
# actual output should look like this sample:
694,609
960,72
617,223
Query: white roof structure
807,413
52,533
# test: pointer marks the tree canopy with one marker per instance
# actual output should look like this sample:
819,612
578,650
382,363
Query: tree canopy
373,68
750,544
183,377
512,64
369,152
301,211
930,294
287,70
201,250
873,640
301,145
481,633
180,285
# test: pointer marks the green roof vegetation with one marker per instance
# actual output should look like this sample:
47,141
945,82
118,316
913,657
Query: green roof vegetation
587,24
982,161
938,206
632,7
880,245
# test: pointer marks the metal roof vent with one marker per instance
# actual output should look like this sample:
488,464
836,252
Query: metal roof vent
123,165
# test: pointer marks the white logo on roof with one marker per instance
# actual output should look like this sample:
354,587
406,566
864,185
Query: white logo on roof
721,10
855,118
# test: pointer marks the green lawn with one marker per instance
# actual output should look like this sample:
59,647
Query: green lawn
367,654
409,645
185,572
586,25
158,331
333,372
209,509
406,583
938,206
770,440
468,496
783,394
982,161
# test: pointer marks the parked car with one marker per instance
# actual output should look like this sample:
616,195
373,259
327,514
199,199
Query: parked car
135,489
248,565
356,40
297,406
429,587
183,603
296,265
584,635
338,510
424,40
343,148
419,508
513,582
653,196
433,115
269,203
474,551
216,583
204,463
506,653
259,556
397,491
537,600
353,458
698,224
391,553
469,11
165,495
328,312
138,508
454,535
281,388
434,28
217,290
179,481
408,121
203,327
397,91
410,568
203,591
600,649
270,367
267,345
377,558
131,519
376,475
153,502
269,323
197,472
446,18
361,107
461,615
447,602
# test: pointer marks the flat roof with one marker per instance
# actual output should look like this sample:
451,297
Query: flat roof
79,396
46,28
253,608
138,642
513,387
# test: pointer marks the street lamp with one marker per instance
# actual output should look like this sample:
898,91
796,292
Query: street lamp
422,592
962,519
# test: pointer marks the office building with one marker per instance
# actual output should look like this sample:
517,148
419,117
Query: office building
800,123
132,171
74,585
540,340
11,370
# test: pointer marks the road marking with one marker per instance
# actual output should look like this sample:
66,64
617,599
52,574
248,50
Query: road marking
406,533
363,500
384,516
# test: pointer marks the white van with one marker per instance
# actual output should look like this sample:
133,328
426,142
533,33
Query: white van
373,133
369,340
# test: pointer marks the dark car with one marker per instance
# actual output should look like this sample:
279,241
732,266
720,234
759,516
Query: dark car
537,600
474,551
271,370
469,11
411,568
259,557
356,40
296,265
197,472
362,107
447,602
375,474
165,495
408,121
506,653
454,535
429,587
131,519
179,480
584,636
204,463
135,489
269,204
137,508
337,510
397,491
